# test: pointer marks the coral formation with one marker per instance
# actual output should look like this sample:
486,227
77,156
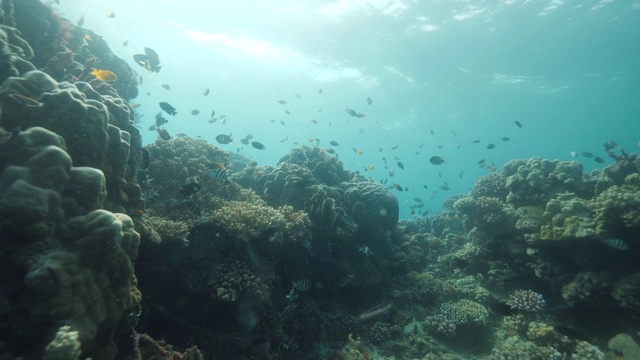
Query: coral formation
236,279
526,300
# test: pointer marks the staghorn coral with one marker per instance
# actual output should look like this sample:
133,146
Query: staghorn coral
527,301
236,279
176,229
249,220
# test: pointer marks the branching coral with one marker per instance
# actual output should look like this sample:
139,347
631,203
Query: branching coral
249,220
464,311
527,301
176,229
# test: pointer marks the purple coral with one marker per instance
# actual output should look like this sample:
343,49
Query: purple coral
526,300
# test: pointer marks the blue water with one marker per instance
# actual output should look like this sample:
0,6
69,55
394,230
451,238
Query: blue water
463,70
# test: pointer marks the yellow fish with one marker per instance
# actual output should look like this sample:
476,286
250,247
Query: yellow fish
104,75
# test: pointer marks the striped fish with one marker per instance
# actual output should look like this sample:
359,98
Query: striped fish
436,160
302,285
616,243
194,209
219,174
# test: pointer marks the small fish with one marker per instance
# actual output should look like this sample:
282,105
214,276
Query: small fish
194,209
436,160
392,172
350,112
505,139
360,115
297,96
282,123
25,100
400,165
518,123
365,250
616,243
213,113
345,280
145,159
206,92
168,108
598,159
141,81
191,186
425,186
333,143
104,75
110,14
88,37
195,112
282,102
330,151
212,120
166,87
224,139
444,186
80,21
394,147
319,91
610,145
287,112
587,154
357,151
125,43
369,101
417,199
476,141
398,187
285,139
574,154
369,168
482,161
313,121
258,145
301,285
219,174
491,146
163,133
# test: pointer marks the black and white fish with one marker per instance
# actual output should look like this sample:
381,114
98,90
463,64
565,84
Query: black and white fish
302,285
224,139
616,243
436,160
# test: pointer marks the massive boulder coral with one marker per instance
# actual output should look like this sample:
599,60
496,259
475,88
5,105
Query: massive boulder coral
568,217
310,179
618,209
534,181
96,128
76,269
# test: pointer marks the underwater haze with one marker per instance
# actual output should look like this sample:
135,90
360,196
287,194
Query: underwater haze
445,78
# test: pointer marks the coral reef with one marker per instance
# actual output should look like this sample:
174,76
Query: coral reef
527,301
236,279
535,181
